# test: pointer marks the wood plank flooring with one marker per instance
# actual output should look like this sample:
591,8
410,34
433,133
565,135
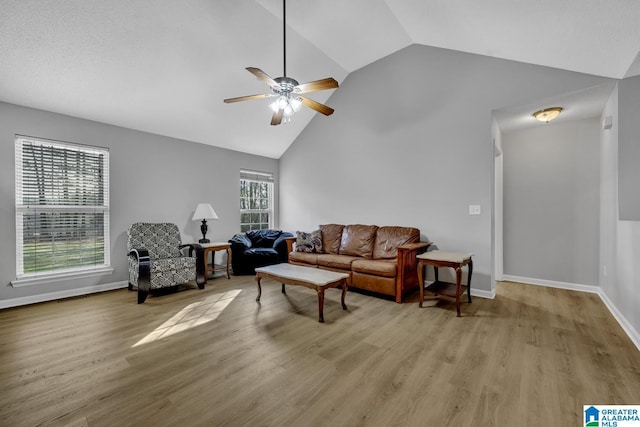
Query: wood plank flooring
216,357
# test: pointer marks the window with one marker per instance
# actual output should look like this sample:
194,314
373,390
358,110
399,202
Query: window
256,200
62,207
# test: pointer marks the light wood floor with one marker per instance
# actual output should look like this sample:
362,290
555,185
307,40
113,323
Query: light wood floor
530,357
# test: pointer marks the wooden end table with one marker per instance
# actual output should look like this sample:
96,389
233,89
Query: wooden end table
439,259
213,267
313,278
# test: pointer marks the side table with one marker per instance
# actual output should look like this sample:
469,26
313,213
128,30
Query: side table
439,259
213,267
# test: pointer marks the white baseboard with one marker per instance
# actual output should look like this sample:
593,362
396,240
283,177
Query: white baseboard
552,284
483,294
633,335
52,296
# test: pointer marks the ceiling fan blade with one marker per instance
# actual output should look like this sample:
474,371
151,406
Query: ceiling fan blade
277,117
320,108
262,76
248,97
324,84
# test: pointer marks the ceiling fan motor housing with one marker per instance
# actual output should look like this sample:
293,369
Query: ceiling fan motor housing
286,85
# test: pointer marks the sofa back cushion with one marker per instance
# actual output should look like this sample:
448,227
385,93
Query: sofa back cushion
389,238
331,238
263,238
358,240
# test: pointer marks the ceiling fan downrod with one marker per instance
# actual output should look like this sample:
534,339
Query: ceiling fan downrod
284,36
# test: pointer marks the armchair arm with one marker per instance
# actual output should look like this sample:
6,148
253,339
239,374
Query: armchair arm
407,271
240,242
201,263
144,272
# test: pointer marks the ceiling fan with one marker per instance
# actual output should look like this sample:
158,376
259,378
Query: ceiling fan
288,90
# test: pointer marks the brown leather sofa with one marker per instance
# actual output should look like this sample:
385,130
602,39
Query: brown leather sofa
377,259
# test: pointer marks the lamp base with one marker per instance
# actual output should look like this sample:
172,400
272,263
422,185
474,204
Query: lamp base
203,229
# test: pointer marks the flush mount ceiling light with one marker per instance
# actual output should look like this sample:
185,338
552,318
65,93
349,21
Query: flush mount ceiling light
287,90
547,114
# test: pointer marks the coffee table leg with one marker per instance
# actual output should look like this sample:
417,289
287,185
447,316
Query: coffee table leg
344,293
259,288
321,305
283,289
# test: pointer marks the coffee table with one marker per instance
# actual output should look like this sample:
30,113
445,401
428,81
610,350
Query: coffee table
312,278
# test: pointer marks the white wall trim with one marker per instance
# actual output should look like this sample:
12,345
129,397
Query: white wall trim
51,296
59,277
552,284
624,323
633,335
483,294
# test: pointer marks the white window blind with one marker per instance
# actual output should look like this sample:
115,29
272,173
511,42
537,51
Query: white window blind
256,200
62,207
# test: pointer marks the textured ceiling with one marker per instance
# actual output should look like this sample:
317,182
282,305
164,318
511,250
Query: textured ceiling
164,66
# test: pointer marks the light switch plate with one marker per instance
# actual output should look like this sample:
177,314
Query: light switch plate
474,210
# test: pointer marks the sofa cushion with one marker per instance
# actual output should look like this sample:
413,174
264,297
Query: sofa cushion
263,238
309,242
386,268
303,257
261,252
357,240
389,238
342,262
331,238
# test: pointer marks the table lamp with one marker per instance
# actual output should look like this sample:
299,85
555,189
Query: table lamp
203,212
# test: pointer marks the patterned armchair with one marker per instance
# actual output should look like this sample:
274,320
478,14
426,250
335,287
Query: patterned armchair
156,259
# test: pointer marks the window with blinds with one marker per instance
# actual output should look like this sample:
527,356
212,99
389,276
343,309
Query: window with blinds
62,207
256,200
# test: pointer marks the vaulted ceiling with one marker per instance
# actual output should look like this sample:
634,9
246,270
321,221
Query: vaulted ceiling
165,66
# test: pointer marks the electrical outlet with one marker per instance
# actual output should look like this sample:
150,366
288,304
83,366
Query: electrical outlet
474,210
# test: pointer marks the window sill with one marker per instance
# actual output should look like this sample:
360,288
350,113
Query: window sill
48,278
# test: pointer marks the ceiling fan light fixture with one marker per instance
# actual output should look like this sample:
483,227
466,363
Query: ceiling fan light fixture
290,94
287,104
547,114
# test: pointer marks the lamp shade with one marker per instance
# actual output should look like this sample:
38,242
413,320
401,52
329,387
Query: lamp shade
204,211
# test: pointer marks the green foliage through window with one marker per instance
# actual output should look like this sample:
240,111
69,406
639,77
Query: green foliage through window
256,201
62,206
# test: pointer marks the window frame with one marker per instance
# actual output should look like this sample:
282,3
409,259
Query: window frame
258,177
63,206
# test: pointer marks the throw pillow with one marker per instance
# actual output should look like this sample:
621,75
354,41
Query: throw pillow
309,242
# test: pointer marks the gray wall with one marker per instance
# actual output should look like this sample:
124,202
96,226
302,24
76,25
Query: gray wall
153,178
551,202
410,144
619,240
629,149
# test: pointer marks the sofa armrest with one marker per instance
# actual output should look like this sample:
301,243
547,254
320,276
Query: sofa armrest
407,267
290,242
201,263
419,246
282,246
144,272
